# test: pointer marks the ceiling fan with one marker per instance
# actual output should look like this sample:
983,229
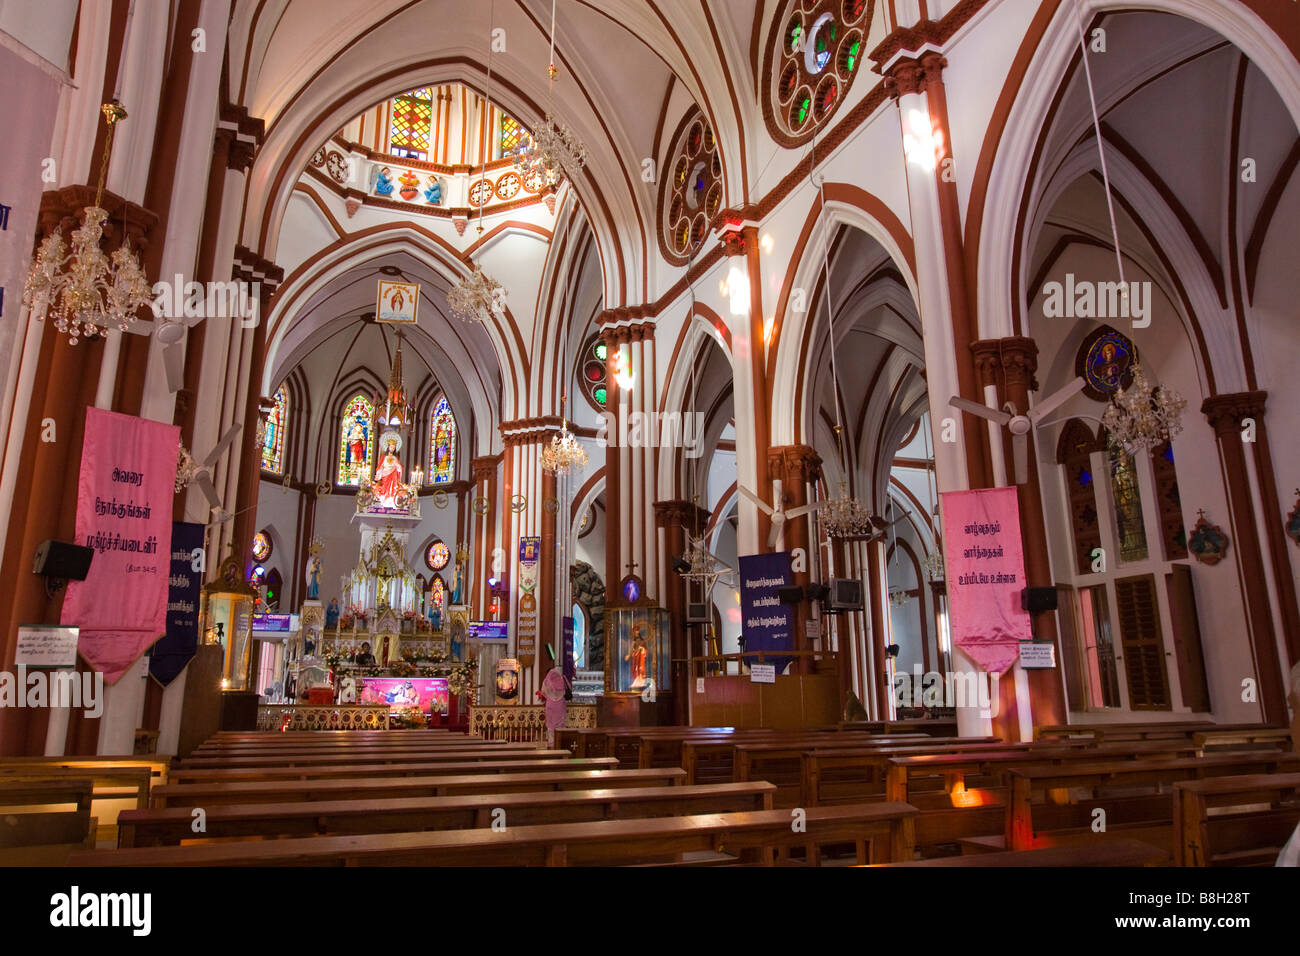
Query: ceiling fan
778,513
1019,425
202,476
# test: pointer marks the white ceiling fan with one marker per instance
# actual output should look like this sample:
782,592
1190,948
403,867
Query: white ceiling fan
172,336
778,513
202,476
1019,425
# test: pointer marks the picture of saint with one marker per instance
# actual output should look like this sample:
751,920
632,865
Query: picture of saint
357,445
384,182
388,477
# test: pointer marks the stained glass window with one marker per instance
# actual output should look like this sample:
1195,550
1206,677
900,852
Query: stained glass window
513,136
437,556
273,442
261,546
412,124
595,374
439,591
442,444
1128,507
356,441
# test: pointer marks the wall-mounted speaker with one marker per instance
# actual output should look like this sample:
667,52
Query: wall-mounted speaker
63,561
1038,600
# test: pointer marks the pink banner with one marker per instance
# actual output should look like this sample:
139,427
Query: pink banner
124,512
985,564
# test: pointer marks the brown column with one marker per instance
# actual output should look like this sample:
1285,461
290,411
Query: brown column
1225,414
674,517
795,466
1279,545
614,337
879,637
547,633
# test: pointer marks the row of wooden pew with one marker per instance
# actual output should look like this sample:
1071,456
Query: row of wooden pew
1190,794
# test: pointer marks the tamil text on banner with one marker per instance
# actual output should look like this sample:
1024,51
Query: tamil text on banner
171,655
766,624
124,512
530,549
985,566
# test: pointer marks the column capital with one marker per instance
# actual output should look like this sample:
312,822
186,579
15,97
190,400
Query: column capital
794,463
1225,413
484,468
529,431
1015,356
914,74
678,512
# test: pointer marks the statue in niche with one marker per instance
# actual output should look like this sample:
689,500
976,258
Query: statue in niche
410,185
433,192
313,578
388,477
384,182
332,615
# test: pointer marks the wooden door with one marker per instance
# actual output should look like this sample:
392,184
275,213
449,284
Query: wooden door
1144,650
1187,638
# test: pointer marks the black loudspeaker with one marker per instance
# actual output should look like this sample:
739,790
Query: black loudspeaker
790,595
1038,600
62,561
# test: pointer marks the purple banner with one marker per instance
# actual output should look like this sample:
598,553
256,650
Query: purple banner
173,653
766,624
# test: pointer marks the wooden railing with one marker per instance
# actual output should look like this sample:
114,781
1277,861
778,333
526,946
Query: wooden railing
310,717
520,723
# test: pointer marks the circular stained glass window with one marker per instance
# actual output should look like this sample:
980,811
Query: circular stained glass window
691,195
1105,362
592,374
437,556
812,57
261,546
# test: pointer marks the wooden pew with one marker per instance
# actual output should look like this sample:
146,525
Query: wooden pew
263,750
564,776
1150,730
756,834
42,820
1234,821
170,827
480,763
352,756
1120,852
1214,741
120,783
1156,812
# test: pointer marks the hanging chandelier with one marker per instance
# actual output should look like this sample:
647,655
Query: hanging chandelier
476,296
563,453
933,563
393,408
86,291
1143,415
554,151
844,516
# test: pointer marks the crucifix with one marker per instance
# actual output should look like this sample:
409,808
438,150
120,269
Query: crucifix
631,567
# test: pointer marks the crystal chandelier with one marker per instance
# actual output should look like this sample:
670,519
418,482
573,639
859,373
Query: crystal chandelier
394,409
564,453
87,292
476,296
554,151
186,469
1143,415
933,564
898,597
844,516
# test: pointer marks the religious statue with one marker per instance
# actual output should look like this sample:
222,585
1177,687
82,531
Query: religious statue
433,193
455,587
313,578
332,615
457,646
388,477
637,656
410,185
384,183
436,618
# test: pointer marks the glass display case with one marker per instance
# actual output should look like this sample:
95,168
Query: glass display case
227,620
637,656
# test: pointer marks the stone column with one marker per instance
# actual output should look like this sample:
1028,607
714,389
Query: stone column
796,467
674,517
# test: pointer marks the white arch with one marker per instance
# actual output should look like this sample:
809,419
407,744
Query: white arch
1235,22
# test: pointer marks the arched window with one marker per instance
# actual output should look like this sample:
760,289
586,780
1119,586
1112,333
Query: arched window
442,444
439,592
412,123
1126,496
513,136
594,374
273,442
1074,452
356,441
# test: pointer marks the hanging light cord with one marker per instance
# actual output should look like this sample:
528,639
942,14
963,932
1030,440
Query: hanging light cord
830,310
1101,150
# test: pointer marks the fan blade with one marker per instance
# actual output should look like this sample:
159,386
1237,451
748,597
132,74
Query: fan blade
778,522
1055,400
1020,452
204,482
799,512
226,439
762,505
174,365
983,411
